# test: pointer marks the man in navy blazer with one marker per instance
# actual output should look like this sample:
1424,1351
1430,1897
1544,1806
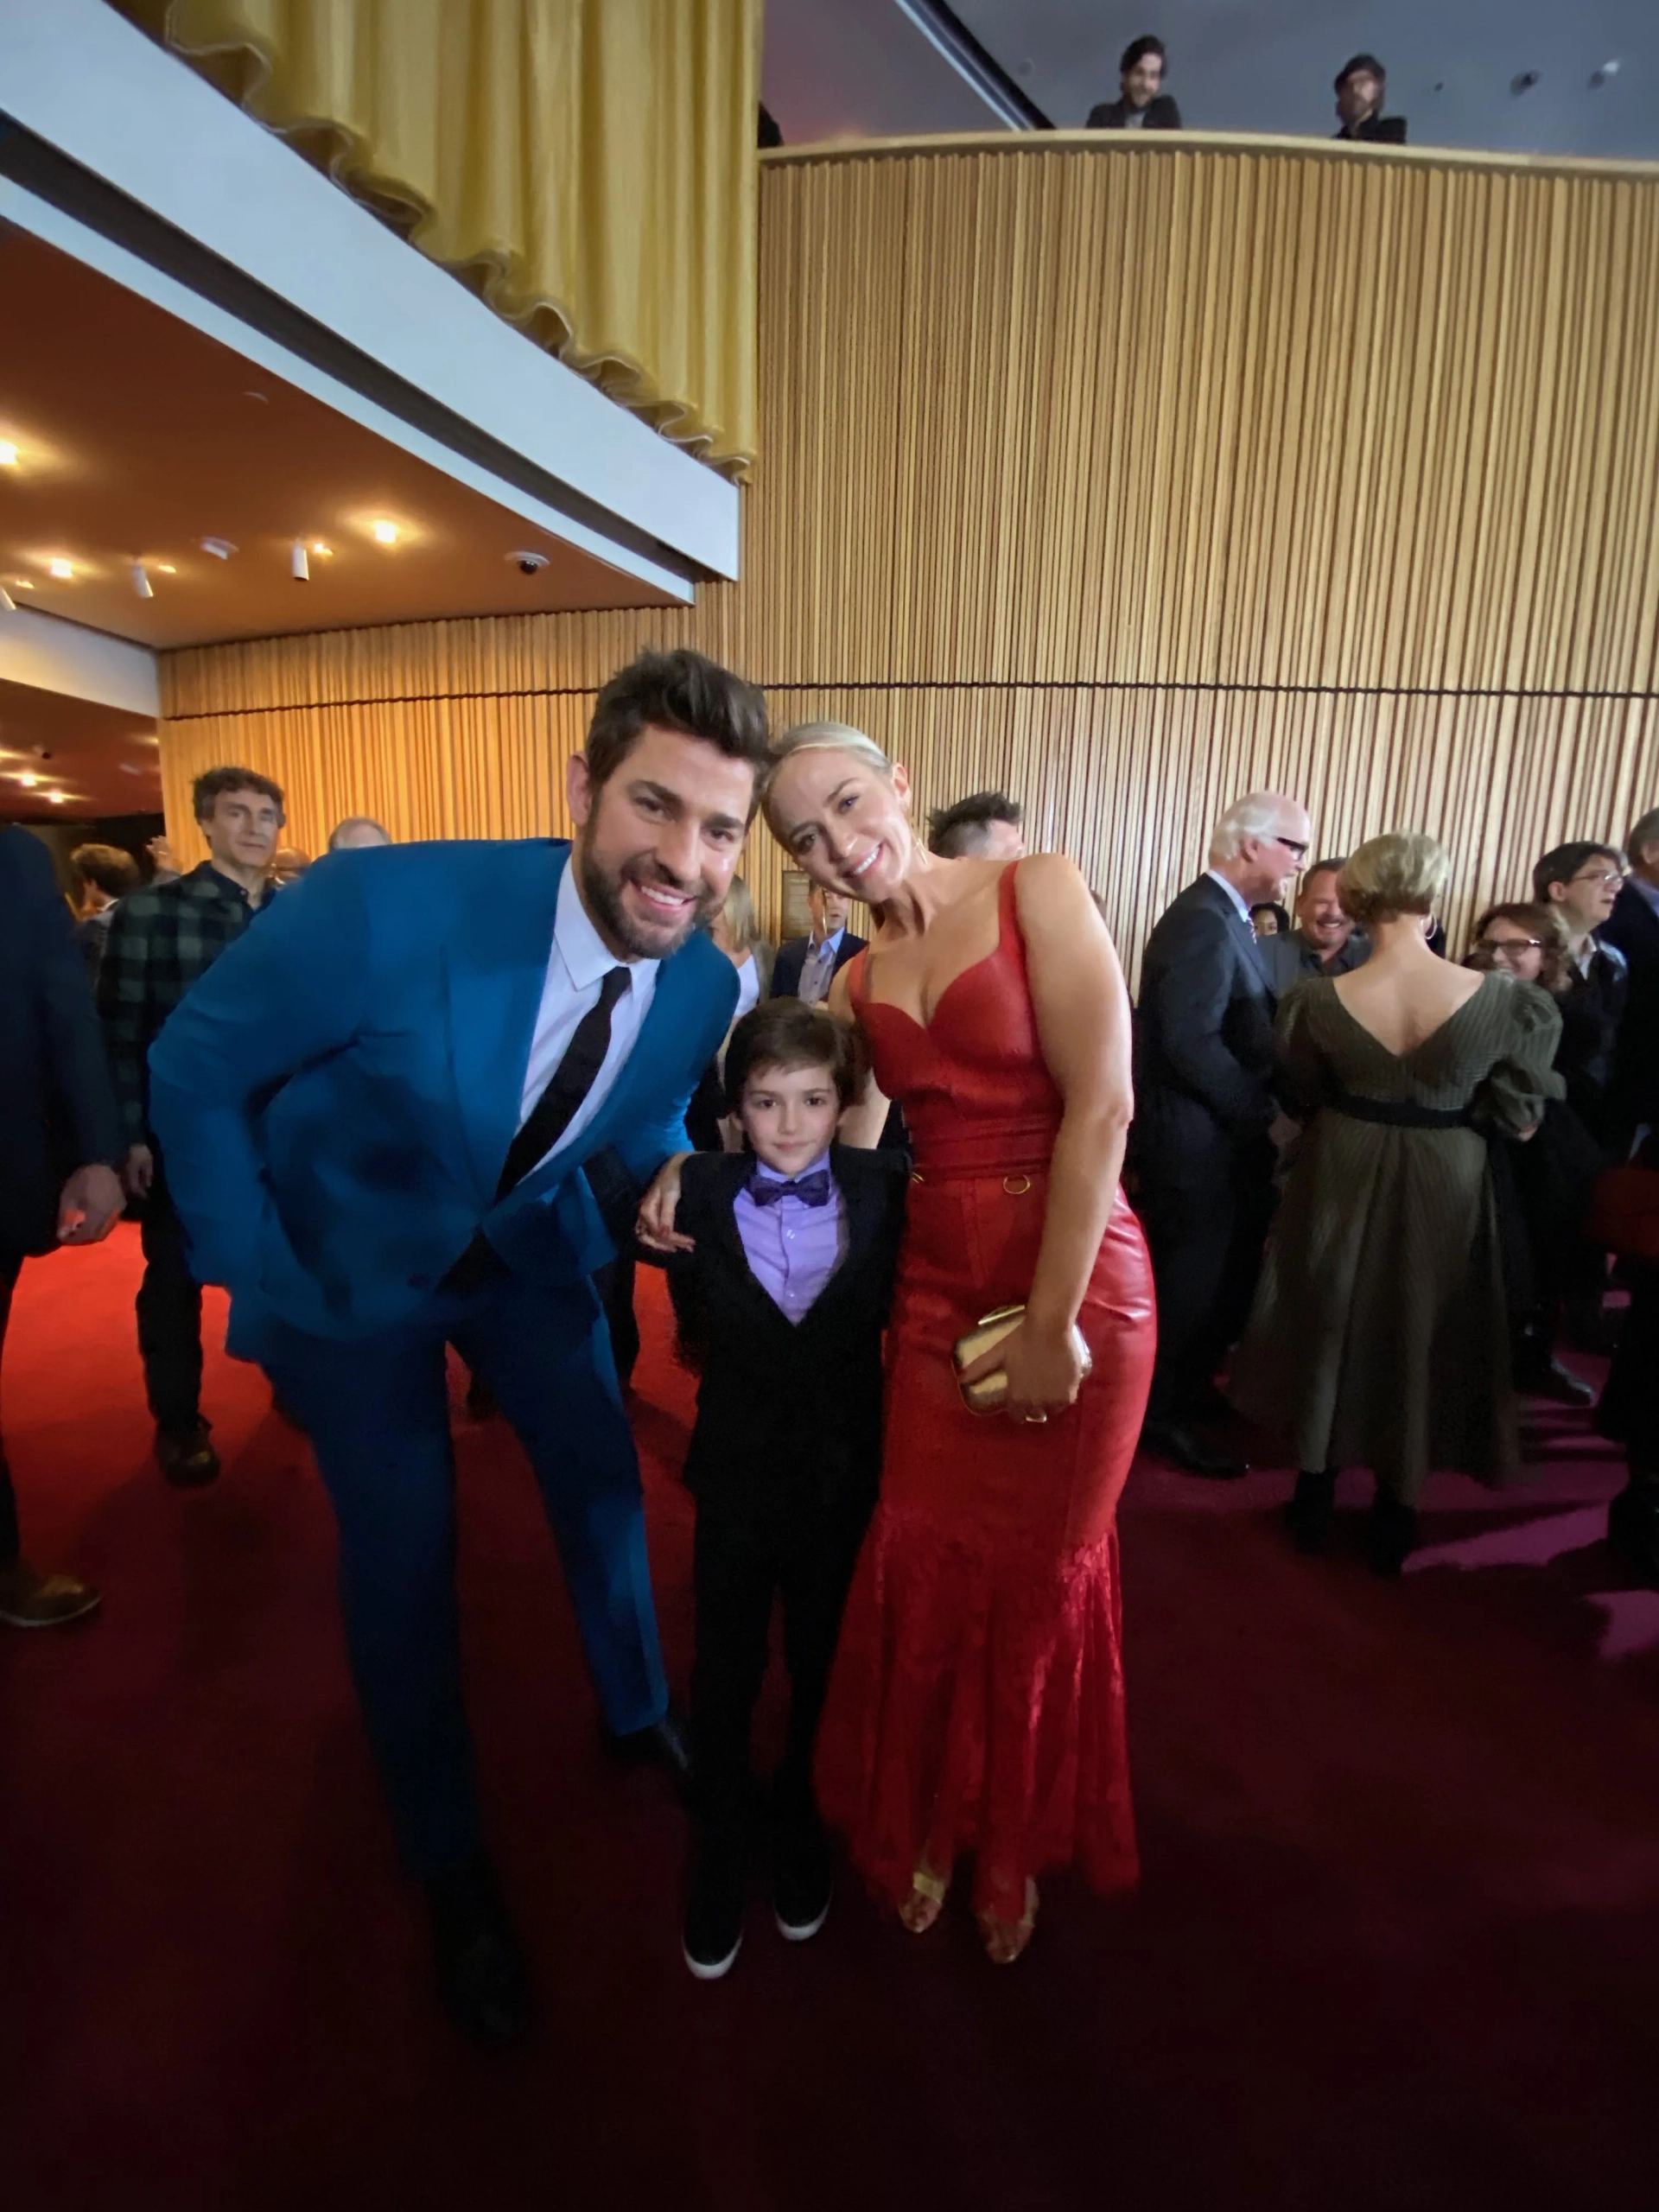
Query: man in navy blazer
375,1109
806,966
1207,1118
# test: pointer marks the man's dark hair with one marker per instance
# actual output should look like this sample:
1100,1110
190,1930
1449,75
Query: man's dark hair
946,828
217,781
1372,67
1564,863
1333,867
681,691
1138,50
1644,830
788,1033
107,867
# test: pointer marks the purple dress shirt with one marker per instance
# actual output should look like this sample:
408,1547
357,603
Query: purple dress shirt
792,1249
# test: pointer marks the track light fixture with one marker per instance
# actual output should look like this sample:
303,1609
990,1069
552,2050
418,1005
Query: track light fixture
8,604
298,566
141,583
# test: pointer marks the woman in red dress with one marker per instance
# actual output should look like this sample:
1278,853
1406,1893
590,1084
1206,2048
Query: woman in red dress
978,1697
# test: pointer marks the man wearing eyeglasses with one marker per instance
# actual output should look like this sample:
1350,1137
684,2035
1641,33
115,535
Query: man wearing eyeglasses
1207,1121
1580,883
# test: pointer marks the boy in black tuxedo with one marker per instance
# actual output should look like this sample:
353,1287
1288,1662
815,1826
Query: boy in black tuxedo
781,1303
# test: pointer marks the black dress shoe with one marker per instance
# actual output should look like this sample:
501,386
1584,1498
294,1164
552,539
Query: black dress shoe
480,1975
1313,1511
1548,1378
712,1934
1633,1527
666,1743
188,1460
803,1876
1391,1536
1172,1440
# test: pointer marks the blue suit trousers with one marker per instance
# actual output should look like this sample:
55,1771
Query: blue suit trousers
376,1411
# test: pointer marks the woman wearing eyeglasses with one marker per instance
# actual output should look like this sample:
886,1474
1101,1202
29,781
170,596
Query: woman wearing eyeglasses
1380,1335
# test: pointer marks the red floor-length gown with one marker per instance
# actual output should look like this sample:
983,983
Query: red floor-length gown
978,1700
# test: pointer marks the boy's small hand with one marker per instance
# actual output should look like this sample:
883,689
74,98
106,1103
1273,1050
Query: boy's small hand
654,1225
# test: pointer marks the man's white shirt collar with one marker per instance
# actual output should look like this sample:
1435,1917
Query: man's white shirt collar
1236,895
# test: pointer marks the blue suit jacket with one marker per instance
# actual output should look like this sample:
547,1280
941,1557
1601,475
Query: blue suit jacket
335,1097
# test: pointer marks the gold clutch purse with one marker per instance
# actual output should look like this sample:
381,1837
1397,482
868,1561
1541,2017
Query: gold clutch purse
990,1394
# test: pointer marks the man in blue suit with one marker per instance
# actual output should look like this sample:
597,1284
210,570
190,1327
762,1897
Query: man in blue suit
375,1108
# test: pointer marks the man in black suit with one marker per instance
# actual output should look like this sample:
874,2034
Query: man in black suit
1362,87
61,1139
1142,103
806,966
1207,1119
1633,927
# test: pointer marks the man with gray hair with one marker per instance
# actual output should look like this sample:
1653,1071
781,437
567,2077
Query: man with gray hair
355,831
1633,929
1207,1119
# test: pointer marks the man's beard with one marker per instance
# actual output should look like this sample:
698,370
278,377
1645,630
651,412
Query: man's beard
601,889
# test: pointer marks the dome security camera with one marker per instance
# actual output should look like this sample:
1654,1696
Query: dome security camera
528,564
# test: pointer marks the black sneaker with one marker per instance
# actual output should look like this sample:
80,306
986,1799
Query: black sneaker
188,1460
713,1934
802,1878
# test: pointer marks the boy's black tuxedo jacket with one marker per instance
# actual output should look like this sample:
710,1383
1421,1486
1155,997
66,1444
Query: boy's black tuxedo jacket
787,1411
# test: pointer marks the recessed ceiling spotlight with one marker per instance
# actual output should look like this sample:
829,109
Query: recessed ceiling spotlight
221,547
164,568
28,779
386,533
134,768
8,453
141,583
298,567
263,397
22,583
57,798
528,563
61,569
326,551
1597,79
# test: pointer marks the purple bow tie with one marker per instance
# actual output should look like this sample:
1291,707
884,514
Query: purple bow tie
812,1190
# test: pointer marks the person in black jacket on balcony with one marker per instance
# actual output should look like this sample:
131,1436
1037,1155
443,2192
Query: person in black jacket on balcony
1142,103
1362,87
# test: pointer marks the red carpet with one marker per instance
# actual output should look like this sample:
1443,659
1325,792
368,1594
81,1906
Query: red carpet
1395,1945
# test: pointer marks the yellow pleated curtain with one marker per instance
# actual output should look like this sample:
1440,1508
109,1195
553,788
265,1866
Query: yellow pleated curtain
586,165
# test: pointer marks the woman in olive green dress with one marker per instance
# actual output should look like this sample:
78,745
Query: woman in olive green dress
1380,1335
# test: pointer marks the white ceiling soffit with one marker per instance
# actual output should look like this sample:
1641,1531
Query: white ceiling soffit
128,143
863,69
50,654
1457,68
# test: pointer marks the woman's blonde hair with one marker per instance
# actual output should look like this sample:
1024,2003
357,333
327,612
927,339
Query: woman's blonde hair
820,737
739,915
1405,873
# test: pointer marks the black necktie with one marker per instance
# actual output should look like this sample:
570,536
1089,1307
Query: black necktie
568,1085
812,1190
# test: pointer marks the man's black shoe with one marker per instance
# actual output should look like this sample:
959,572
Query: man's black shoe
1172,1440
1312,1512
802,1876
713,1934
1391,1536
480,1975
666,1743
1633,1527
188,1460
1548,1378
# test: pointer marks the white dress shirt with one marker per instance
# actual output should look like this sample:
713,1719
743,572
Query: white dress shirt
1236,895
749,988
576,967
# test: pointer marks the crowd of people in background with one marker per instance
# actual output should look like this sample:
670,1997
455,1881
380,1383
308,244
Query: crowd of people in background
1379,1190
1361,88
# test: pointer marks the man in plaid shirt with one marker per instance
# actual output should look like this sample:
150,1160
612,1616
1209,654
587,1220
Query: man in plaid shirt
162,938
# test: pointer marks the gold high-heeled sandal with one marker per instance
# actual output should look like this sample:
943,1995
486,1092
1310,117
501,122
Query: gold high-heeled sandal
1006,1940
925,1902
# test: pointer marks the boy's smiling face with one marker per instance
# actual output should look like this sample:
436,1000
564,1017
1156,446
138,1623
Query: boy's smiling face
789,1115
